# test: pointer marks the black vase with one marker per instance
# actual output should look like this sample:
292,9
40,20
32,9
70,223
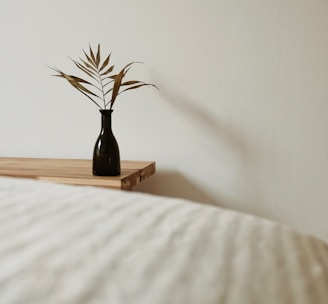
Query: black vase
106,154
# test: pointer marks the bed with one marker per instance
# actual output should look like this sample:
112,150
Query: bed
72,244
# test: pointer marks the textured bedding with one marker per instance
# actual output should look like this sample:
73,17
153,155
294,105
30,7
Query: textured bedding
68,244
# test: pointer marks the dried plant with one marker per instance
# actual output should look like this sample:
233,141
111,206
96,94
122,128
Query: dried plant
104,85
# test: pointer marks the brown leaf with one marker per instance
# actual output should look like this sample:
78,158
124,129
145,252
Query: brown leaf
74,81
110,69
112,76
98,56
89,72
137,86
116,86
92,56
128,65
89,66
102,80
105,63
80,79
130,82
89,59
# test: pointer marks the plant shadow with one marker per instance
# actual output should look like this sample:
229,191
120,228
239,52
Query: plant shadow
228,145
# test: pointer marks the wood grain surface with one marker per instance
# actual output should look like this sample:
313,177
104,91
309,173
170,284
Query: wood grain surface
76,171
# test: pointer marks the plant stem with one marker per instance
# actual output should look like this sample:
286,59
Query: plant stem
90,98
102,88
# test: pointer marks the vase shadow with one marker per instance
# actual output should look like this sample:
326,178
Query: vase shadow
172,184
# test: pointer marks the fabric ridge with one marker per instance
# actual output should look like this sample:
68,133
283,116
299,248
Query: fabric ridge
70,244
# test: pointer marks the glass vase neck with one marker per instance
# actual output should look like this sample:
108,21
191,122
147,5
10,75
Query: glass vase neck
106,111
106,118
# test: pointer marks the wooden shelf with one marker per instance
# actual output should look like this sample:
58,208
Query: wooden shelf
76,171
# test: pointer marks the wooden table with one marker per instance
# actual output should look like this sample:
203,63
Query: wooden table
76,171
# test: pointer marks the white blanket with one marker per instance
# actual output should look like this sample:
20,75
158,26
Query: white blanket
67,244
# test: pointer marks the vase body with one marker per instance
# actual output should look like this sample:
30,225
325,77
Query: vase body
106,154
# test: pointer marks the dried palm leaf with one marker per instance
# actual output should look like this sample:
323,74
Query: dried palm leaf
100,77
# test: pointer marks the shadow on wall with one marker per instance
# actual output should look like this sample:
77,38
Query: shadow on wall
173,184
226,138
220,132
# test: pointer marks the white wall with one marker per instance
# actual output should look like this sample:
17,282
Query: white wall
241,116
